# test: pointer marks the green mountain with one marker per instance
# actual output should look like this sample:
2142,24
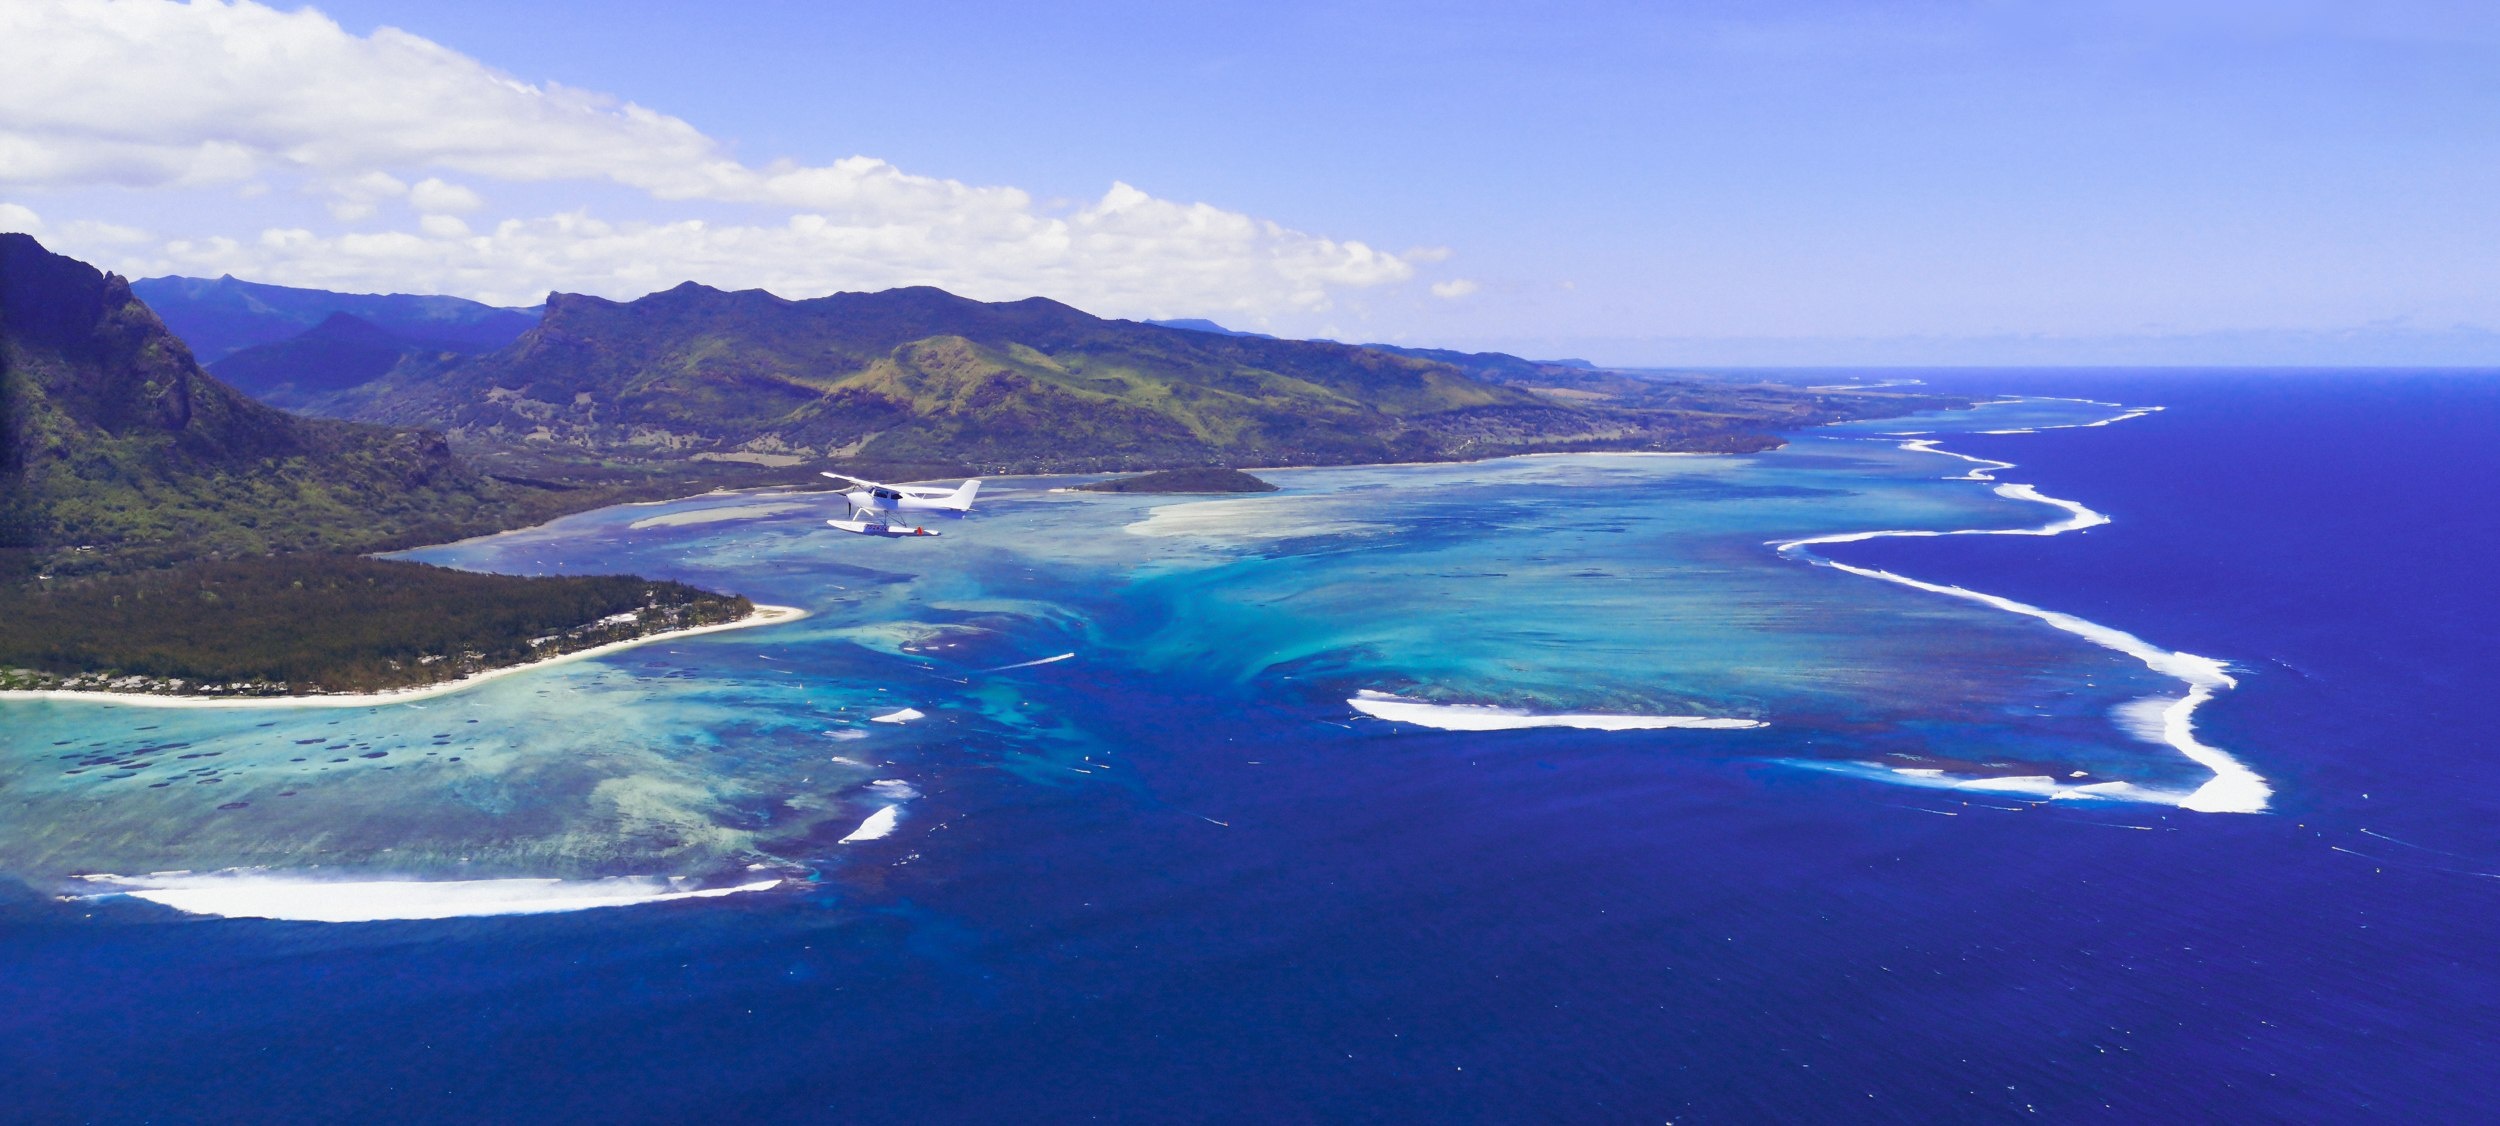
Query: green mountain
218,317
113,439
307,371
922,378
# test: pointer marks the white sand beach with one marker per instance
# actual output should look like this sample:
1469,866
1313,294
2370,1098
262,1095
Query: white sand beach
763,616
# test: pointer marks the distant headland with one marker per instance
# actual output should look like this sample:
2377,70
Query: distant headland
1202,479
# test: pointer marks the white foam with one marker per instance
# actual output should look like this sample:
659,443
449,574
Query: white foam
2034,785
256,894
1486,717
901,715
877,826
1030,664
2234,788
1986,467
2132,413
2147,719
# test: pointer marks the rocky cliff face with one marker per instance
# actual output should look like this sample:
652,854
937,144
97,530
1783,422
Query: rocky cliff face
113,439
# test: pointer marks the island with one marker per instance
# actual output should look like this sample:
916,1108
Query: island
165,533
235,629
1203,479
164,536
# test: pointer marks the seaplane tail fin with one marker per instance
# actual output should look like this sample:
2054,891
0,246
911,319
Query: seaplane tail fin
957,500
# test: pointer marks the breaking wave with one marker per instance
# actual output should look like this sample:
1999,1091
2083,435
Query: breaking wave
264,894
2234,788
1486,717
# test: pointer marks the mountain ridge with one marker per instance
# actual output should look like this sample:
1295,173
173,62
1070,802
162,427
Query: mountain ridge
218,317
305,371
112,436
921,377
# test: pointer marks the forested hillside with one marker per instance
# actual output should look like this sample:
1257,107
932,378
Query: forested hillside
161,531
921,378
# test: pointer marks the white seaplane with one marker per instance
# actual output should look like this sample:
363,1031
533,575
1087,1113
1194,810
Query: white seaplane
876,509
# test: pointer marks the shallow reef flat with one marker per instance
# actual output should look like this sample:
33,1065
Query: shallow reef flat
1610,597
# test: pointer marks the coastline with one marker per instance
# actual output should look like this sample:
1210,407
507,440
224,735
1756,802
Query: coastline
763,616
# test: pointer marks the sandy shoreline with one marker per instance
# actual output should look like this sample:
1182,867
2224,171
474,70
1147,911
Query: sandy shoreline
763,616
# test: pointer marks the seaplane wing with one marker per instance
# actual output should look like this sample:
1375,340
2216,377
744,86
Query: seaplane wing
872,494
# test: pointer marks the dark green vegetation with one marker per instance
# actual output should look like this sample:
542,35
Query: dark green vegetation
324,623
920,382
119,454
218,317
1194,480
115,446
157,524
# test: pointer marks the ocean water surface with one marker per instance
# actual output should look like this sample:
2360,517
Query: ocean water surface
2136,769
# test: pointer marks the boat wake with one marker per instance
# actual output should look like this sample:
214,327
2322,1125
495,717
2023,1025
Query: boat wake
2234,788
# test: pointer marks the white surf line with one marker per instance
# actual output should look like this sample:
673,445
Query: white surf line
763,616
258,894
2132,412
1030,664
878,826
2234,788
1487,717
1986,467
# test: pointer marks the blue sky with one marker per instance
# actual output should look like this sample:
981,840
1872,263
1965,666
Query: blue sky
1695,183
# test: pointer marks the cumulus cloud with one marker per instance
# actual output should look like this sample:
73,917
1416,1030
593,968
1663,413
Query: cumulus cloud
150,94
1453,289
17,218
354,197
433,195
1124,254
145,93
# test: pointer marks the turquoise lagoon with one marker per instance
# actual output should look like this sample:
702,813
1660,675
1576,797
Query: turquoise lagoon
1044,638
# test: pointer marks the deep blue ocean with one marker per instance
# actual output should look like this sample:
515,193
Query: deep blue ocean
1248,911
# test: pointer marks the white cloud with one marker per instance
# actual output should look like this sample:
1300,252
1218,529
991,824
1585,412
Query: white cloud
433,195
1116,256
1453,289
354,197
147,93
100,236
92,232
155,95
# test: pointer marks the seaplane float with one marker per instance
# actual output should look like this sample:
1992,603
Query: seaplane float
877,509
